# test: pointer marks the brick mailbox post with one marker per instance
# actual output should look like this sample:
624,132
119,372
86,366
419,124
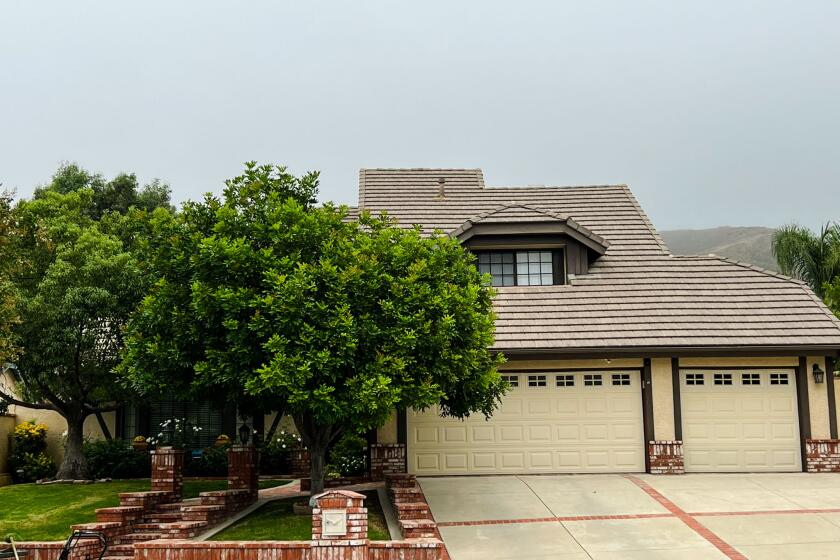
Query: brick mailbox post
168,471
339,526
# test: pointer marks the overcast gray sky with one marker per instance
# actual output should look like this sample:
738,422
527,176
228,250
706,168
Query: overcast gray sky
715,113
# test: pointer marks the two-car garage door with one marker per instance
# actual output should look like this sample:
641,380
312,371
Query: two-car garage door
548,422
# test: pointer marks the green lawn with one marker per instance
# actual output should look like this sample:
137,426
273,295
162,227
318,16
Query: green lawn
45,513
275,521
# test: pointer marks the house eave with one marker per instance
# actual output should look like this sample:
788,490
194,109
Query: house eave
670,351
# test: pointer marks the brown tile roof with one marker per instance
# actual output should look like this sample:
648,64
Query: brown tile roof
636,296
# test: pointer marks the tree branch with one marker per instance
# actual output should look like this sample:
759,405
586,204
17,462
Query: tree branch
38,406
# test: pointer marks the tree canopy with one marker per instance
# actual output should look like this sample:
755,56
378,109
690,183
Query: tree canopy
814,259
260,296
73,284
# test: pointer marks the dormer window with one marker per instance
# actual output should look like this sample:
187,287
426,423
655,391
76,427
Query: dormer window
534,267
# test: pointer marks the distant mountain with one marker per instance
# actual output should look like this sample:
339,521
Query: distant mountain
748,244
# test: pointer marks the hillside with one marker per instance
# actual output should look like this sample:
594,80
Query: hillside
748,244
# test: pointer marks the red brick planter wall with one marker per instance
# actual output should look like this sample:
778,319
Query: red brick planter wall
666,457
387,458
822,455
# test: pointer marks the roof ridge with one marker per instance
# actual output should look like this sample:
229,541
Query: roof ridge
464,169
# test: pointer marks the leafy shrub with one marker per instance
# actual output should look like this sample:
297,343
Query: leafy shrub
28,460
30,467
212,462
116,459
30,437
349,455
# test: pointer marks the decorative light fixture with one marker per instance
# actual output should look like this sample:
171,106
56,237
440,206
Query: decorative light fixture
819,374
244,434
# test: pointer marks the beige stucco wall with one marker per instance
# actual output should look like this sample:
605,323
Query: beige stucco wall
7,424
663,398
512,365
817,400
286,423
56,425
387,433
791,361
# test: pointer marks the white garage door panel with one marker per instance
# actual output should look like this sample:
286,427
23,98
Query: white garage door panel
730,425
552,428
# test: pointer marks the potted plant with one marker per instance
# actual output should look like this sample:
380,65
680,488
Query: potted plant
139,443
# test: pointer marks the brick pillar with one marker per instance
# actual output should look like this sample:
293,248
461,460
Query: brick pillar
666,457
168,471
822,455
299,462
339,526
387,458
243,468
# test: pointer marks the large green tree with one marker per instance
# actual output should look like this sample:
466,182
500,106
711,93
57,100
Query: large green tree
260,295
812,258
74,284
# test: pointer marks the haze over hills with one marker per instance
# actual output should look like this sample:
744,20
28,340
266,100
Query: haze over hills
748,244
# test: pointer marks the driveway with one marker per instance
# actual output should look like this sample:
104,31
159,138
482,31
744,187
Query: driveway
607,517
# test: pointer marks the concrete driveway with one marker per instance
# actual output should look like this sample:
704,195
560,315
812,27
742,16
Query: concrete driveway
607,517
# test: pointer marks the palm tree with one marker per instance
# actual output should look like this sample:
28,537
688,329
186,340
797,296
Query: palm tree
814,259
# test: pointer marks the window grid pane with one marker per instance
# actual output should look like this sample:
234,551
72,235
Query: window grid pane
621,379
513,380
534,268
778,379
723,379
694,379
750,379
536,381
592,380
565,380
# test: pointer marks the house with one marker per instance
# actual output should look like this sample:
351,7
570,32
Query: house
621,356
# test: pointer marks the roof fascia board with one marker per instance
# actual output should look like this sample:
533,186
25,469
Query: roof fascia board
675,352
529,228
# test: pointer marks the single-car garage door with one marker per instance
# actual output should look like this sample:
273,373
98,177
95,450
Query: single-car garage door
548,422
740,421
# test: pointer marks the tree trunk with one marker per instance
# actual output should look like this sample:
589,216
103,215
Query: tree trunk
317,438
74,465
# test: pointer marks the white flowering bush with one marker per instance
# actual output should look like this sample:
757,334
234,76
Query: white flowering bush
175,432
274,455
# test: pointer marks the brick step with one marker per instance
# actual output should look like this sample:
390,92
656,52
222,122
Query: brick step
121,549
413,510
110,557
139,537
167,527
168,507
419,528
168,517
118,554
